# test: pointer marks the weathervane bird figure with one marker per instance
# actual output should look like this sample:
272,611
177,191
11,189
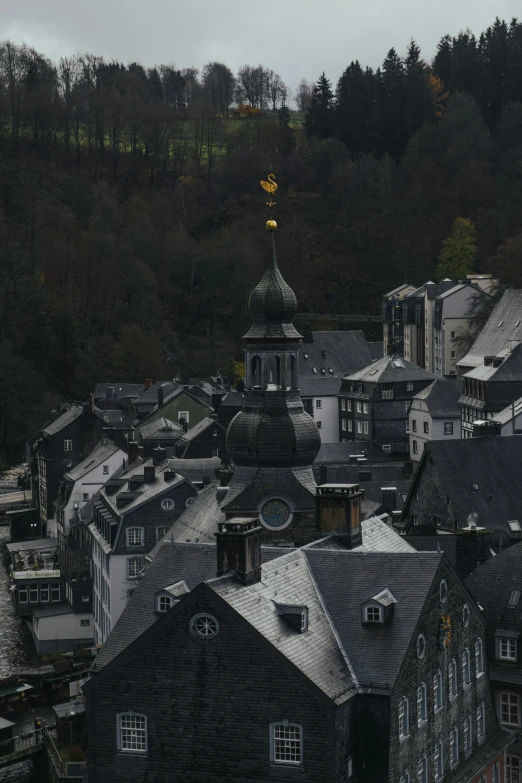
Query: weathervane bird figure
270,187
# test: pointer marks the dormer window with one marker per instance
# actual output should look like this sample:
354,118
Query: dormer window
164,603
296,615
373,614
376,610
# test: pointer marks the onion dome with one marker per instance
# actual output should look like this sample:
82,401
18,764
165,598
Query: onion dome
272,305
273,430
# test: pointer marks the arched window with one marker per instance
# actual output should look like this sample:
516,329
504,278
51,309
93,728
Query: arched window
405,778
481,723
437,692
286,743
468,735
422,704
454,747
479,658
452,679
438,760
404,718
466,670
423,770
131,732
255,371
292,381
273,371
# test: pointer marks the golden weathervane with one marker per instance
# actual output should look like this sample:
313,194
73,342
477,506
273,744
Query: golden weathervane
270,187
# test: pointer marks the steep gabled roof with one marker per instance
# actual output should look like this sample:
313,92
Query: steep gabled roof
390,369
332,354
199,428
120,390
441,398
63,420
100,453
150,395
510,368
161,428
504,324
492,585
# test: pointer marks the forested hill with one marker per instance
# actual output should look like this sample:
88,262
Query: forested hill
131,218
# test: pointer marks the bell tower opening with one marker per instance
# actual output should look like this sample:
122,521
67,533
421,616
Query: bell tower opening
273,373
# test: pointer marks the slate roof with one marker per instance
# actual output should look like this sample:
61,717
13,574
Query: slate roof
120,390
493,464
346,579
232,399
193,563
100,453
491,585
150,395
506,415
340,452
63,420
250,484
494,337
377,536
441,398
198,428
196,469
346,352
509,370
161,428
390,369
319,386
385,474
119,420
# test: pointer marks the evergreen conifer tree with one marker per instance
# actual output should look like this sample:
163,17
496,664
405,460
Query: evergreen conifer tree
319,117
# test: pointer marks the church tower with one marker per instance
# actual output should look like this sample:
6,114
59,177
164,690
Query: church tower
272,440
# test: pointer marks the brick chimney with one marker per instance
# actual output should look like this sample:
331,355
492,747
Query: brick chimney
158,455
389,498
132,451
472,548
149,473
147,384
239,548
338,510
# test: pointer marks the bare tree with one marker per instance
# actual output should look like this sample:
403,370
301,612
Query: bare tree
276,89
251,83
303,96
219,83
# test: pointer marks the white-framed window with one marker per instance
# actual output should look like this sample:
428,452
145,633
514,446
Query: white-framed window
22,595
421,646
204,626
365,407
409,386
443,591
359,427
350,425
386,448
437,692
372,614
426,427
55,592
407,406
318,403
67,444
161,531
404,718
85,497
423,770
453,335
481,722
387,391
343,404
415,446
105,470
215,451
134,566
189,502
422,704
319,425
454,747
131,732
164,603
344,424
448,428
466,668
414,425
452,679
359,407
286,743
135,536
465,615
365,427
454,354
167,504
184,415
438,760
468,735
509,708
513,769
85,622
44,593
479,658
348,405
506,648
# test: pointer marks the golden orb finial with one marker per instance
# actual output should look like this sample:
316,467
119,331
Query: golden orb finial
271,225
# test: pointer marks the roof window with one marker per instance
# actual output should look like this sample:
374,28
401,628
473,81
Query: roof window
514,526
377,609
305,355
500,323
314,370
517,323
296,615
514,598
373,372
475,487
330,370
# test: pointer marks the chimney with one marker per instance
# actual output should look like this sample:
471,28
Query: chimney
338,511
110,392
221,493
389,498
169,474
158,455
149,473
147,384
217,399
472,548
224,473
486,428
239,549
132,451
183,423
160,397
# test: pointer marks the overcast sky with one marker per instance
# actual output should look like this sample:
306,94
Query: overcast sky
294,37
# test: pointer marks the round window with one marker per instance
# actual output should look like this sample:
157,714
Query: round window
189,502
465,615
205,626
421,646
443,591
168,504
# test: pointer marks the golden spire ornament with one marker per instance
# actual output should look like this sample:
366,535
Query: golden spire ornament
270,187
